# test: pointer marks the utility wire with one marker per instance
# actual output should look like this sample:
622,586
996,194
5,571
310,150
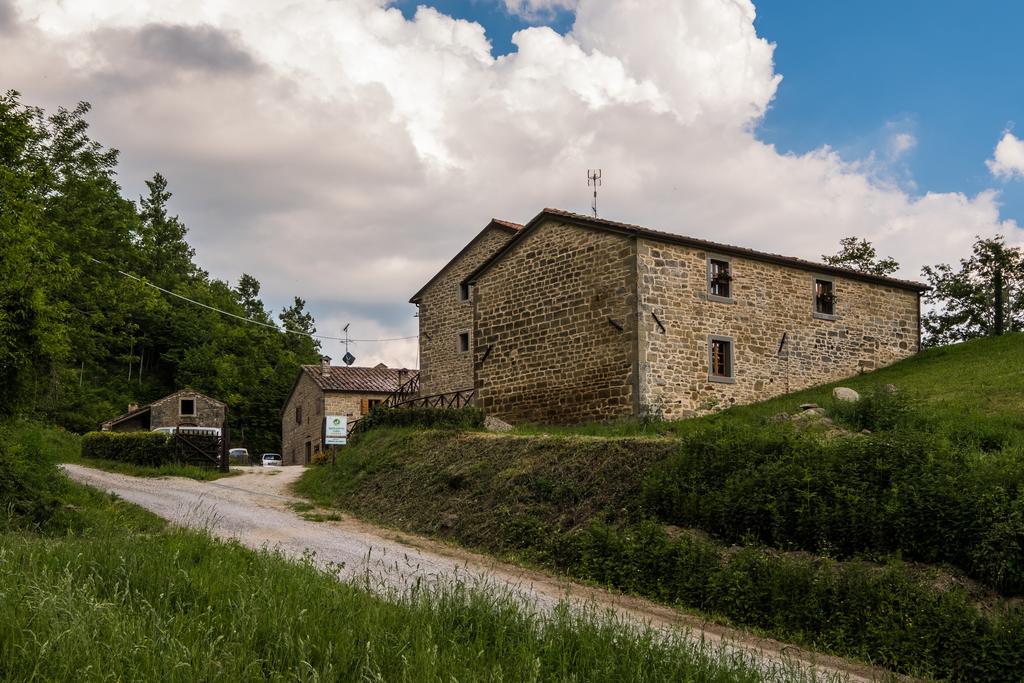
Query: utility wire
239,317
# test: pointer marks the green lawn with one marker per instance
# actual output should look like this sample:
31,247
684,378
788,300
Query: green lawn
94,589
977,385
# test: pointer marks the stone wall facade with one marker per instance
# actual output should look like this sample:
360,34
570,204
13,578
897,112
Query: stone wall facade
302,419
167,412
873,325
555,328
443,316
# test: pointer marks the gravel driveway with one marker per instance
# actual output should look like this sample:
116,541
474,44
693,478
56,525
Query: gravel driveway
254,509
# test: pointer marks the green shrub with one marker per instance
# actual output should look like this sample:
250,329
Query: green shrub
901,492
427,418
150,449
30,484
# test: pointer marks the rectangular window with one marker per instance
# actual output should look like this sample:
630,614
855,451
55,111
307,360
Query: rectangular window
463,291
187,406
373,403
824,298
463,342
719,279
720,359
298,415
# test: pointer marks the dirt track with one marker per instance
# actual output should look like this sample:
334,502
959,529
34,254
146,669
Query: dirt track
254,508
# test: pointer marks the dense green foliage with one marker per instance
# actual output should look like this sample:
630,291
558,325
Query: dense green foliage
859,254
35,496
78,340
94,589
428,418
148,454
901,492
577,504
984,297
150,449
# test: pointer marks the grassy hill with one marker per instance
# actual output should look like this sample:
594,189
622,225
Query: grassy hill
95,589
903,547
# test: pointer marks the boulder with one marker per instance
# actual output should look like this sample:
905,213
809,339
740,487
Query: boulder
808,406
845,394
493,424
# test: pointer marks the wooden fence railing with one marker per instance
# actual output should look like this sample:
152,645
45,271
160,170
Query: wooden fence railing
453,399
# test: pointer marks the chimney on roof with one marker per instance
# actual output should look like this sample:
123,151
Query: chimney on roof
402,375
325,366
132,407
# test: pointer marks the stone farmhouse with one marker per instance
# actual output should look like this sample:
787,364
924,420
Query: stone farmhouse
184,408
573,318
327,389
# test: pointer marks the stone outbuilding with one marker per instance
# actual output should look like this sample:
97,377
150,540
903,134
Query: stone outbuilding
184,408
576,318
327,389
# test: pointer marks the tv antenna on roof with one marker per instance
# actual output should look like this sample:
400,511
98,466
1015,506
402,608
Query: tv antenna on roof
348,358
594,179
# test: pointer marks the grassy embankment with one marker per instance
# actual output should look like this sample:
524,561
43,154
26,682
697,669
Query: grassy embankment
96,589
903,547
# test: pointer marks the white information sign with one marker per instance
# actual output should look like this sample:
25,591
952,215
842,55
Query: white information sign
335,430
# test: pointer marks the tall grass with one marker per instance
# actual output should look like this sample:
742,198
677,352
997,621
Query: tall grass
179,606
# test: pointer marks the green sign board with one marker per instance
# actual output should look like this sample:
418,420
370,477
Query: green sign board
335,430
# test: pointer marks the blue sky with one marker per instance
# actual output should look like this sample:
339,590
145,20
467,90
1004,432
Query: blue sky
946,72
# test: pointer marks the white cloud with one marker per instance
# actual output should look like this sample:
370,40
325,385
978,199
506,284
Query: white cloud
343,153
1008,160
533,10
900,144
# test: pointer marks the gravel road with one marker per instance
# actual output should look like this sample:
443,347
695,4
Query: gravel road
254,509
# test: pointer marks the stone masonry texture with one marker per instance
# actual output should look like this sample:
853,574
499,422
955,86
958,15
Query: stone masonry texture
166,412
555,326
315,403
443,317
874,325
577,323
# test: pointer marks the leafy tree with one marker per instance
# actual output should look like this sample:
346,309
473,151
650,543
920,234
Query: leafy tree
295,319
985,297
859,254
79,340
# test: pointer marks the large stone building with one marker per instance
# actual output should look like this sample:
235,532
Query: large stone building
326,389
576,318
446,313
184,408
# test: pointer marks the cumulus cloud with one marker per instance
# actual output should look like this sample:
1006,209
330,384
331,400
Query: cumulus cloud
1008,161
533,10
343,153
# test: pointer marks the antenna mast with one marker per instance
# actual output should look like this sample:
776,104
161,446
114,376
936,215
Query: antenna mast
594,180
348,358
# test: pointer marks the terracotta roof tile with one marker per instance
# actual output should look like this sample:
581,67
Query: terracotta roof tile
355,379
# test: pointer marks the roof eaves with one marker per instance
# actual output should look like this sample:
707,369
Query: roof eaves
672,238
507,226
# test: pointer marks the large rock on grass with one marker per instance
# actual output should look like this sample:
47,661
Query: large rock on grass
845,394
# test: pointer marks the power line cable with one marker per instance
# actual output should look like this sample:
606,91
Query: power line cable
239,317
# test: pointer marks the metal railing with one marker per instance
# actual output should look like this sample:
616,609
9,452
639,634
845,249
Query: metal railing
404,393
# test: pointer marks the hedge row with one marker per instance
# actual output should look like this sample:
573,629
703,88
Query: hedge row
149,449
427,418
903,492
887,615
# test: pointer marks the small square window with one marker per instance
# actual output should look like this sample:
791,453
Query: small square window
464,342
373,403
187,406
720,359
824,297
463,291
719,278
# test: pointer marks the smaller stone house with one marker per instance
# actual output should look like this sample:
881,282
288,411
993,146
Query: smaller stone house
326,389
184,408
